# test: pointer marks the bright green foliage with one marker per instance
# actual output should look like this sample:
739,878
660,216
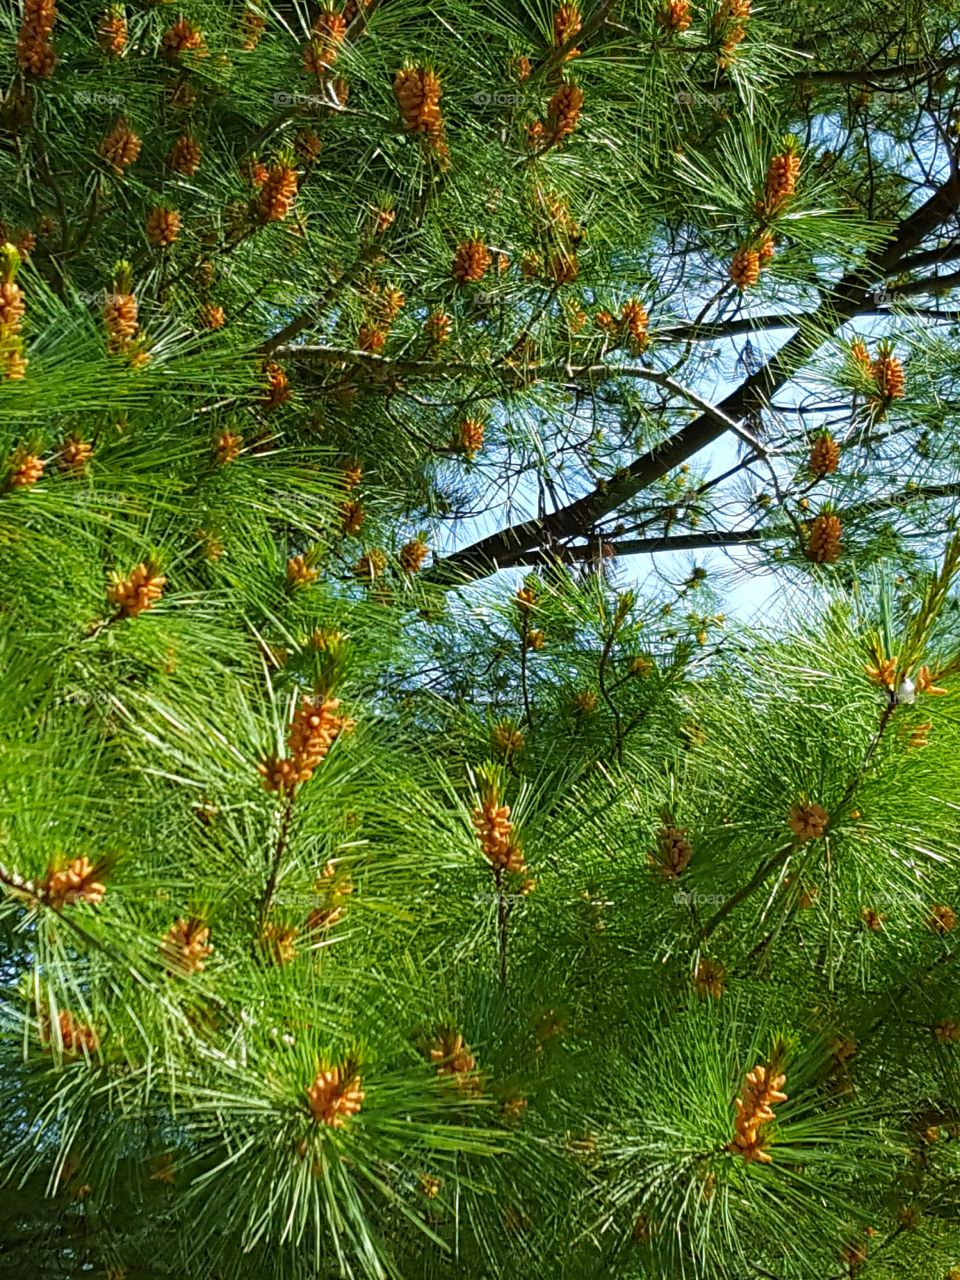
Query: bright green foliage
356,919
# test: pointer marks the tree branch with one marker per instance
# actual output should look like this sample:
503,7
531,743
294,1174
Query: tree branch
508,546
274,345
893,71
718,539
916,70
930,258
929,284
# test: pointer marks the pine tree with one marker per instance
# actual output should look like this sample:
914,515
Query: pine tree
389,887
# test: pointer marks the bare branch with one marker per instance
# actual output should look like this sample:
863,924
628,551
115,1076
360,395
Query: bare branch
720,539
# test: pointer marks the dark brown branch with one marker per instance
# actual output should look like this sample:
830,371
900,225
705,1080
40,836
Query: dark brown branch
759,877
277,862
717,539
930,258
918,70
777,860
313,313
524,685
605,690
930,284
16,884
503,919
712,330
581,376
893,71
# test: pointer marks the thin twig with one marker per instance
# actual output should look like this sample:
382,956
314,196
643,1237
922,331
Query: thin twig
283,838
503,917
604,691
766,869
524,631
